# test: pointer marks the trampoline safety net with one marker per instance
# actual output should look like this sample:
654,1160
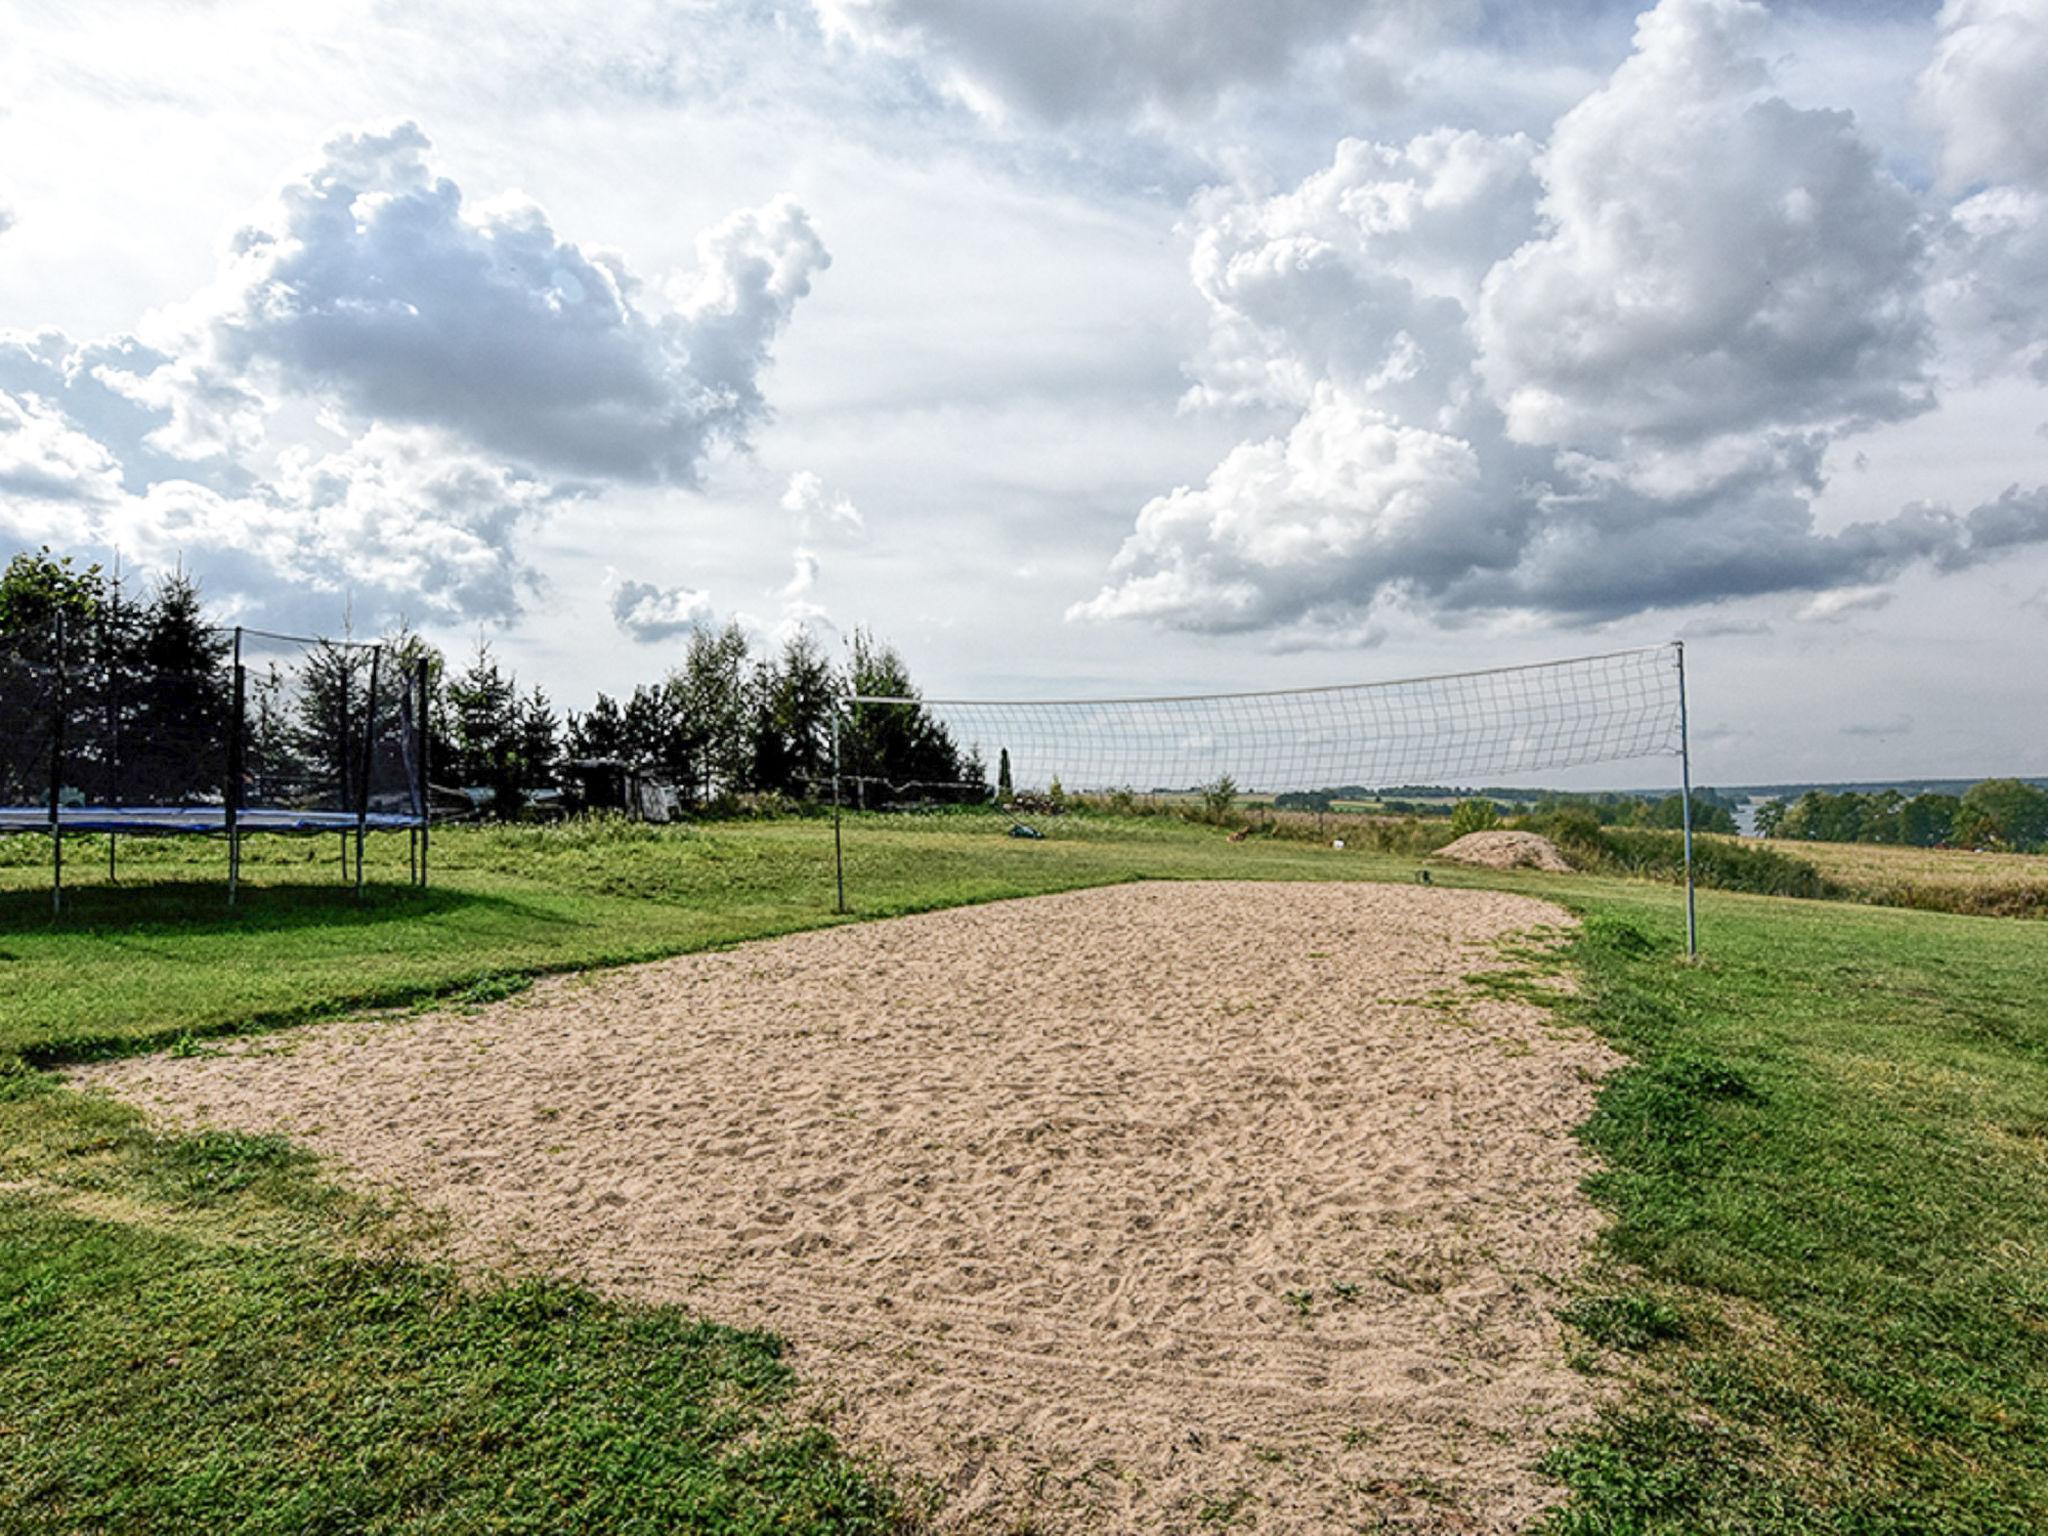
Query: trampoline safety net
252,732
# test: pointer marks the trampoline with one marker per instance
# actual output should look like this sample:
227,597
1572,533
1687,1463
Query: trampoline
260,733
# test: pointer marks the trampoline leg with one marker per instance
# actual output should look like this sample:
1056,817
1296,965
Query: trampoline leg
359,862
234,865
112,877
56,872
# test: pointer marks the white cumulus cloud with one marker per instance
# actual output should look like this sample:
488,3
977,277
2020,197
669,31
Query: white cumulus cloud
1982,91
1584,378
650,613
1719,274
374,285
385,388
816,507
1982,94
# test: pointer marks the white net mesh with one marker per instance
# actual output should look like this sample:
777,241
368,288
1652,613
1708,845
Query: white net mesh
1463,728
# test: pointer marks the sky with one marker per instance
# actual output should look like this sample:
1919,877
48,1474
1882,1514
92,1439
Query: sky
1077,347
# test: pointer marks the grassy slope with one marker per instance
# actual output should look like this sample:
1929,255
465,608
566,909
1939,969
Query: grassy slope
1829,1169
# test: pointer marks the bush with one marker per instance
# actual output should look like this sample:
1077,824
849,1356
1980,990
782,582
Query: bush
1651,854
1219,802
1474,816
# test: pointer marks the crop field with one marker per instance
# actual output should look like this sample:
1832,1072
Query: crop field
1817,1163
1934,879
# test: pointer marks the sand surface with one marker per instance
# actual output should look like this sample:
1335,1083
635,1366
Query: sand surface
1161,1207
1504,849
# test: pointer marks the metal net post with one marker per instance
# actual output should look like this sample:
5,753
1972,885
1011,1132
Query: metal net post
1692,921
838,846
232,797
59,703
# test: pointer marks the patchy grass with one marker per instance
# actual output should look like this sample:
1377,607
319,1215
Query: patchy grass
198,1333
1828,1169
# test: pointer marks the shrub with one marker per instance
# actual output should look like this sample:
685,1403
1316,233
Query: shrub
1219,801
1474,816
1652,854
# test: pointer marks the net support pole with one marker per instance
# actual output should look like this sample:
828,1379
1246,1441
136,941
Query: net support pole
1692,922
231,799
363,769
116,664
838,848
420,725
57,708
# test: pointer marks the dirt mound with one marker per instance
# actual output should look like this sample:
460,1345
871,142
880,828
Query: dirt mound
1506,850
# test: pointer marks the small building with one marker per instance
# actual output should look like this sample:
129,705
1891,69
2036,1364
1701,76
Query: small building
613,784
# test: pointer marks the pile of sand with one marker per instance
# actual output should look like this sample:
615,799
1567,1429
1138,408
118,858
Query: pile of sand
1141,1209
1506,850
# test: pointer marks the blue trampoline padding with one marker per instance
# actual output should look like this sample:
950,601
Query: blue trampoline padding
193,818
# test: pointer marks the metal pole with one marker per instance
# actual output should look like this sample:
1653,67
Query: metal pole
237,717
110,643
1692,922
57,778
363,771
426,736
838,850
346,742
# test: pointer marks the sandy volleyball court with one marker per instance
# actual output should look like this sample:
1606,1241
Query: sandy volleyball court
1150,1208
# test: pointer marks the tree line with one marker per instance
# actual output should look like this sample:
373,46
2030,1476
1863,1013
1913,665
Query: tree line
2008,814
722,724
1712,810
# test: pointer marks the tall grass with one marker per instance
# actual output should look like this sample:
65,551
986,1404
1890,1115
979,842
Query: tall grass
1646,854
1408,836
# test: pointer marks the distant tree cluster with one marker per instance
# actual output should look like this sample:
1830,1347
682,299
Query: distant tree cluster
726,723
1712,811
1996,813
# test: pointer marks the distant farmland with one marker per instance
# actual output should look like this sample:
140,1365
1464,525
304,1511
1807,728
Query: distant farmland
1933,879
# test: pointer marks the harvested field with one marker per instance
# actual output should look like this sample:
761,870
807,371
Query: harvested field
1141,1208
1506,850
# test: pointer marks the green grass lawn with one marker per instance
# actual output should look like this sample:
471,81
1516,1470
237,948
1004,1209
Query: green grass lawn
1825,1288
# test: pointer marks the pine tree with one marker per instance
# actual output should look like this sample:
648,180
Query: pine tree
599,733
897,750
1005,790
177,744
793,699
651,733
712,696
483,705
540,745
325,742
